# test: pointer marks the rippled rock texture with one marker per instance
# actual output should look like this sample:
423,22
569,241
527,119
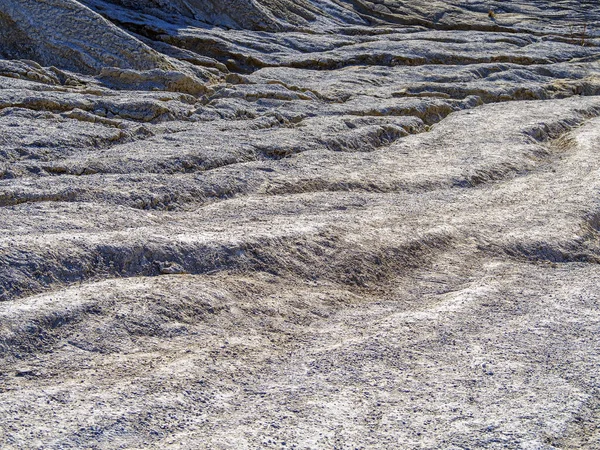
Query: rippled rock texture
313,224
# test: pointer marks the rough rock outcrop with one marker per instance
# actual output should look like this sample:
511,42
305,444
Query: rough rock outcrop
270,15
299,224
66,34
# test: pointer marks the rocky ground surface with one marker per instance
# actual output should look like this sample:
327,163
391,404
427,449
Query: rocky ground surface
314,224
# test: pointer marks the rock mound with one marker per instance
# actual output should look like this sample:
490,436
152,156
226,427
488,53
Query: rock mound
66,34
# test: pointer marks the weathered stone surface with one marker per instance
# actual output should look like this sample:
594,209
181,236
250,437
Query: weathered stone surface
66,34
315,224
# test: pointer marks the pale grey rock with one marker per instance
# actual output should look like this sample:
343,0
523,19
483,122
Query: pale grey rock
66,34
170,268
316,224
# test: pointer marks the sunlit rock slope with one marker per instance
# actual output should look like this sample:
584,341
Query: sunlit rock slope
313,224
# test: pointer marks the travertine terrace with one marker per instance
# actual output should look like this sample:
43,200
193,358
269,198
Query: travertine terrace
299,224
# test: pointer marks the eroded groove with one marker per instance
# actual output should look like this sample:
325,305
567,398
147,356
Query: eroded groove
312,256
